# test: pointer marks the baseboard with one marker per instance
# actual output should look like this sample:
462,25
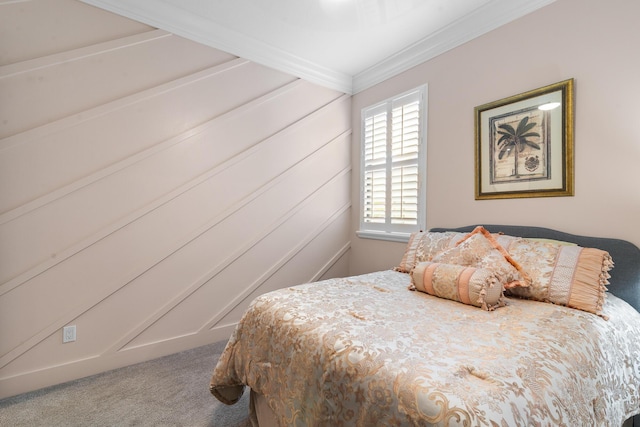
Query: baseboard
54,375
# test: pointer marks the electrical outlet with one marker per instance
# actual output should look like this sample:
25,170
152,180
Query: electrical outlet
69,333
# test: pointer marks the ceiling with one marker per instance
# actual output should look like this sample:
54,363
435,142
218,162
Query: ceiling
348,45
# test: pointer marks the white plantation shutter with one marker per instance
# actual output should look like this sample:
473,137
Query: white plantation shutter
405,143
393,165
375,170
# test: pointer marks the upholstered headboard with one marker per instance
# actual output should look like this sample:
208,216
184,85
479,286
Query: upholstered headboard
625,276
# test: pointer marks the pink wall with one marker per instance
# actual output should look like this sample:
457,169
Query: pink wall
150,188
596,43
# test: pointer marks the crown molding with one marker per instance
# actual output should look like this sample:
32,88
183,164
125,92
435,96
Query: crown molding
186,24
183,23
483,20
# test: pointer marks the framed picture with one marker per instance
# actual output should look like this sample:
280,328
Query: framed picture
524,144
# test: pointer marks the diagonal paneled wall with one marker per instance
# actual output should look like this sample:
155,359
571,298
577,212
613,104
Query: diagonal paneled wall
150,187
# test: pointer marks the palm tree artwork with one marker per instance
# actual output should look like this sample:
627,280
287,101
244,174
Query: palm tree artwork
516,140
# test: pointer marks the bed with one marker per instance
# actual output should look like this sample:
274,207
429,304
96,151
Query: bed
400,348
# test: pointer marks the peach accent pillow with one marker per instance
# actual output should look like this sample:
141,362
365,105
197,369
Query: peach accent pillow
480,249
423,246
479,287
562,274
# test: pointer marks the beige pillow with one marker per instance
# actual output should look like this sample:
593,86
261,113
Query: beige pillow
562,274
469,285
553,241
480,249
423,246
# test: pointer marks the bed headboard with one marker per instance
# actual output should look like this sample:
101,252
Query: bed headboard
625,276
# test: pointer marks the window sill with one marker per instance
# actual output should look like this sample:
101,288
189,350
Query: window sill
384,235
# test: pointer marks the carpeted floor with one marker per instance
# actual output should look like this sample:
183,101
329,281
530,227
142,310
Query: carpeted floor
170,391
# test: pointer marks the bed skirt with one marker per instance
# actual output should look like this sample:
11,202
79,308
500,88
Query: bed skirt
261,414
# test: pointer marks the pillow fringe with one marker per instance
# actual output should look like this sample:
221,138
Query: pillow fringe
489,282
590,280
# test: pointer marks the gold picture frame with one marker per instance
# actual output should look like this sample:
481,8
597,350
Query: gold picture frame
524,144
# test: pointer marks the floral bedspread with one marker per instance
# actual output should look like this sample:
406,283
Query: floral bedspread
366,351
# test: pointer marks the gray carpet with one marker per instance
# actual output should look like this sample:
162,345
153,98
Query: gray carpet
170,391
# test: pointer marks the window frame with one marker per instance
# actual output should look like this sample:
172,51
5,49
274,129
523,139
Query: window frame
386,230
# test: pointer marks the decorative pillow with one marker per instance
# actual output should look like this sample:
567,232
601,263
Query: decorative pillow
480,249
557,242
469,285
562,274
423,246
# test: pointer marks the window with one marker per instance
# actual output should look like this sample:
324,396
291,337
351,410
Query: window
393,167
